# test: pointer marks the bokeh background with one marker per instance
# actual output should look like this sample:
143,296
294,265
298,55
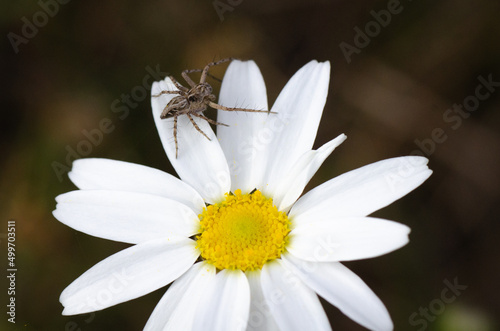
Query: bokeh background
85,58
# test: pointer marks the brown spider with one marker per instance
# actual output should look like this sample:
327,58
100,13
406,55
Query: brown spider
194,101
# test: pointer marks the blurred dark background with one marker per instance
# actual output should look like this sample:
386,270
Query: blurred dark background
391,92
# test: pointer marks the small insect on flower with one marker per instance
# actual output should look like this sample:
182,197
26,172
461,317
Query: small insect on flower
194,101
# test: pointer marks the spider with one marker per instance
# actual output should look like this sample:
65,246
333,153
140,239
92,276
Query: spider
194,101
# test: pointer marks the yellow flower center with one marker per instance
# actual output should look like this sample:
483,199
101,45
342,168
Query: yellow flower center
242,232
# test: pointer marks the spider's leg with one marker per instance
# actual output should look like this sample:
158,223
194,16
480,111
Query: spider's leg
217,106
175,135
204,73
165,92
200,70
197,127
185,75
178,85
209,120
164,113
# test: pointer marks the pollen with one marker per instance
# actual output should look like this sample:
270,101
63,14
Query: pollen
242,232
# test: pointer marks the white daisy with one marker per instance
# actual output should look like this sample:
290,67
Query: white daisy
241,252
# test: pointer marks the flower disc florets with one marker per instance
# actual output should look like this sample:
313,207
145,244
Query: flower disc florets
242,232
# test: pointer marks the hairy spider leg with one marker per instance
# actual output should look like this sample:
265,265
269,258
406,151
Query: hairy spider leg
186,73
209,120
178,85
217,106
175,135
197,127
204,73
187,78
166,92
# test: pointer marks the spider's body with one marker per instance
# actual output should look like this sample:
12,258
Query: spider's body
195,100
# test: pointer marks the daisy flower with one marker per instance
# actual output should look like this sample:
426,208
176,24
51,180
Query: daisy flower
241,250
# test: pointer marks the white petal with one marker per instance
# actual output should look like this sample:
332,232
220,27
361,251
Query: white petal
201,162
294,306
293,129
260,318
243,87
345,239
125,216
362,191
343,289
293,184
105,174
176,309
225,304
128,274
